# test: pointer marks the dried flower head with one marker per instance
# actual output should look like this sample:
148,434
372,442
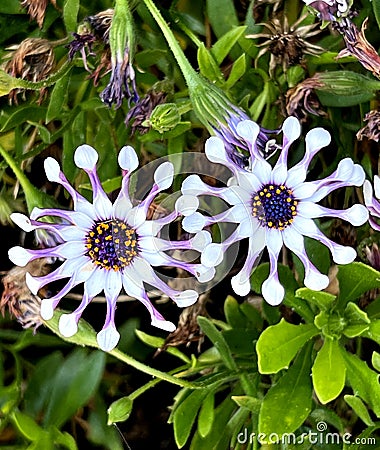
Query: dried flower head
142,110
301,100
101,24
372,129
37,8
287,44
17,297
32,60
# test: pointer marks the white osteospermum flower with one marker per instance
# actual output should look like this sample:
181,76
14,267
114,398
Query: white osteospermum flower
275,206
371,202
108,246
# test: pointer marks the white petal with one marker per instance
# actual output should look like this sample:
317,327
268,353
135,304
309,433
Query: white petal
215,150
32,283
186,298
187,205
22,221
205,274
304,190
241,284
343,254
108,339
200,240
68,325
316,281
86,157
163,176
357,215
317,138
273,292
376,183
47,309
248,130
192,185
163,324
212,255
367,193
19,256
52,169
127,159
194,223
358,176
135,217
291,128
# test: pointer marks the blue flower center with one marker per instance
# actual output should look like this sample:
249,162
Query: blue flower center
274,206
111,244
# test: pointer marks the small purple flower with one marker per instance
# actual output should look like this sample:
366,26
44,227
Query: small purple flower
372,204
108,246
274,206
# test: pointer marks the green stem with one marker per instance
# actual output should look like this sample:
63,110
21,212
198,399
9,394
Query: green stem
188,72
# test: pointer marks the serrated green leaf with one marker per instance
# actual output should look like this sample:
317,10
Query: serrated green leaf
329,371
364,381
70,13
354,280
288,403
223,46
360,409
208,66
206,415
357,321
219,342
119,410
323,300
278,345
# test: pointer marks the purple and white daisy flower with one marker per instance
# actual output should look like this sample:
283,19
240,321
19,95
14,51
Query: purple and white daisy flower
108,246
372,204
275,206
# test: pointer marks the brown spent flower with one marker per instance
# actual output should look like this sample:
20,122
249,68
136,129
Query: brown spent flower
370,131
287,44
32,60
17,298
301,100
142,110
37,9
358,46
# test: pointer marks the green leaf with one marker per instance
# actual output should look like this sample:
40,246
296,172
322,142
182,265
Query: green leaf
70,14
237,71
223,46
278,345
76,381
58,98
253,404
120,410
363,380
360,409
329,371
222,16
208,66
288,403
218,340
22,115
323,300
206,415
27,426
234,316
376,10
185,414
157,342
376,361
42,131
373,332
357,321
354,280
